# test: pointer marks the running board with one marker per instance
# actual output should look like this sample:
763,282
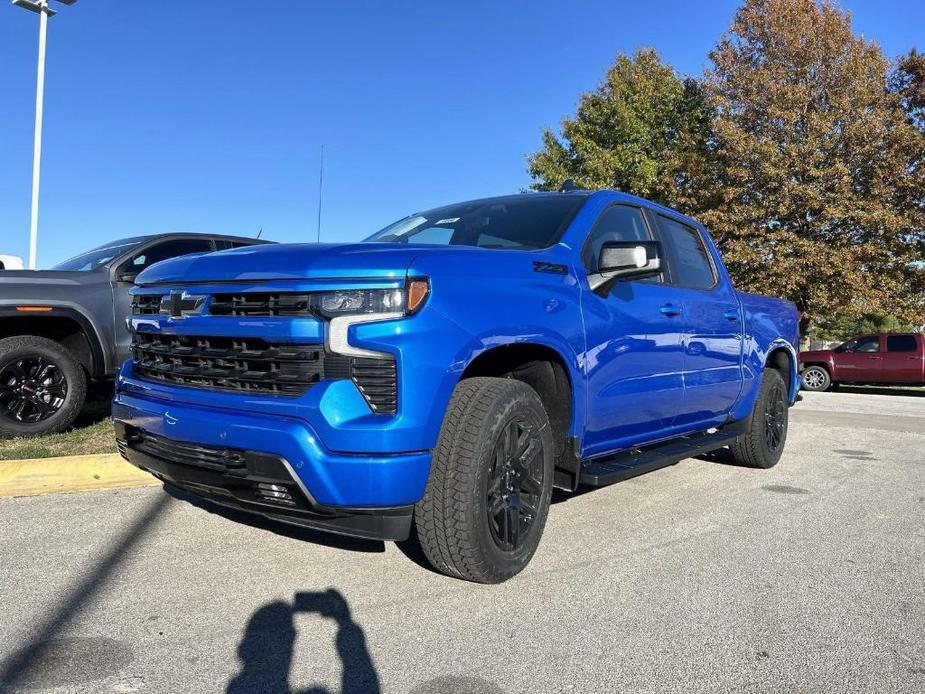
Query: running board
620,466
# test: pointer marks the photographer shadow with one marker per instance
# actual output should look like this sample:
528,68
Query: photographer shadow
267,647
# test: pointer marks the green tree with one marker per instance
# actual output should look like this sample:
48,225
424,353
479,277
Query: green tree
820,183
640,131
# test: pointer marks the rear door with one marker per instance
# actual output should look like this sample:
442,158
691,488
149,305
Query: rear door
859,360
712,335
902,361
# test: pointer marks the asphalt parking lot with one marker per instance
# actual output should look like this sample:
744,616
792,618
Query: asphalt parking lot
701,577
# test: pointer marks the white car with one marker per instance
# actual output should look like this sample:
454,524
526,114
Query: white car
10,262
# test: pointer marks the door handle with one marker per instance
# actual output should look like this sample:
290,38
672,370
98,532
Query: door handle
670,310
731,314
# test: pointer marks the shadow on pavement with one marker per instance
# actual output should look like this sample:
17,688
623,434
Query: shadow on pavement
284,529
881,390
49,660
267,648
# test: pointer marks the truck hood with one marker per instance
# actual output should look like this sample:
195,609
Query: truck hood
816,354
45,277
292,261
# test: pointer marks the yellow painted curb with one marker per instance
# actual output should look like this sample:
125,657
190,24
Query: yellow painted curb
77,473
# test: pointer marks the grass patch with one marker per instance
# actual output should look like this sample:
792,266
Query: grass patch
91,434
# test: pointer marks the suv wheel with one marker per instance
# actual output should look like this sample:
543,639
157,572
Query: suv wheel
42,388
490,484
816,378
763,444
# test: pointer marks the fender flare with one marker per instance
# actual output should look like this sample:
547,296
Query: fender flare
65,310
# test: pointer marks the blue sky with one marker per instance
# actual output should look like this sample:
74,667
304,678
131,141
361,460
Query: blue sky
209,116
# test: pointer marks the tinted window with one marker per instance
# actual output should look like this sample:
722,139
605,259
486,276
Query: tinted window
692,267
868,343
900,343
518,222
616,223
168,249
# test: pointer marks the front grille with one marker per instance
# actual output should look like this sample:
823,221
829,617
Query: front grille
376,378
146,304
226,363
261,304
219,459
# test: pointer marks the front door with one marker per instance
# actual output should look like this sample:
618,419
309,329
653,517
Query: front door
633,360
859,360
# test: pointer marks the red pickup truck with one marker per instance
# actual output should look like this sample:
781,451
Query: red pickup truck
883,358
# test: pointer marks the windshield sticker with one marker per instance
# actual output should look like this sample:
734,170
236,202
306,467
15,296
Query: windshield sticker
448,220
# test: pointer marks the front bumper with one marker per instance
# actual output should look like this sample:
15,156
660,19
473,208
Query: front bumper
331,484
254,482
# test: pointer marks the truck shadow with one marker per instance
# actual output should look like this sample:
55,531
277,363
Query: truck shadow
882,390
284,529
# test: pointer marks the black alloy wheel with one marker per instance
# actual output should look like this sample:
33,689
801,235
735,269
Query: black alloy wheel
32,389
43,387
515,484
775,417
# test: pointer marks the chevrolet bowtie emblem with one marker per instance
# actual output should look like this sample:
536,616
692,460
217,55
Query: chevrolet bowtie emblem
181,304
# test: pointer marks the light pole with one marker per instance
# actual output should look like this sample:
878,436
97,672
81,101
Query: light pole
44,11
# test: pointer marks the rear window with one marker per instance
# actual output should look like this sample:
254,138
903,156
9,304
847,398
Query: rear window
901,343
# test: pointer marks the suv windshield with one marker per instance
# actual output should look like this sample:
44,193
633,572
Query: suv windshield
517,221
91,260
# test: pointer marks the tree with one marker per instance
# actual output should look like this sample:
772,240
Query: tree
908,81
820,183
639,132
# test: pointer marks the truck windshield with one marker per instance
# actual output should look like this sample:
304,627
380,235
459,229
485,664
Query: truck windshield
515,222
91,260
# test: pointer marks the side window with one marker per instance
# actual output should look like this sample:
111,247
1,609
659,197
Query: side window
868,343
168,249
616,223
901,343
692,266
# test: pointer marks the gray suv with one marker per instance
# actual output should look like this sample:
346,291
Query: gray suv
62,327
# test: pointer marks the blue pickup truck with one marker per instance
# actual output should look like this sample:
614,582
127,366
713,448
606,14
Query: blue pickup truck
444,375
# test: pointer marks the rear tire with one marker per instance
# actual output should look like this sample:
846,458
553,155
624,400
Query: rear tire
42,387
762,445
490,483
816,378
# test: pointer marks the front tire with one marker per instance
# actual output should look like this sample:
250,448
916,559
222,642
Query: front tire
762,445
42,387
816,378
490,485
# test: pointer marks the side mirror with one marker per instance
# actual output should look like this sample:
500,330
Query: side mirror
626,259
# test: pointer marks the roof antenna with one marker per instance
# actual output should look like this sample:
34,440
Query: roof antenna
320,191
260,232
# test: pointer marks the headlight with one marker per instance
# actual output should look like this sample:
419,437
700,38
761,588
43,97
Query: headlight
353,302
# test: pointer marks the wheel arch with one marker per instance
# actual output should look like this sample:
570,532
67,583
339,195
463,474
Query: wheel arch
550,374
69,327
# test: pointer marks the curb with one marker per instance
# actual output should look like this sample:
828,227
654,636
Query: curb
79,473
